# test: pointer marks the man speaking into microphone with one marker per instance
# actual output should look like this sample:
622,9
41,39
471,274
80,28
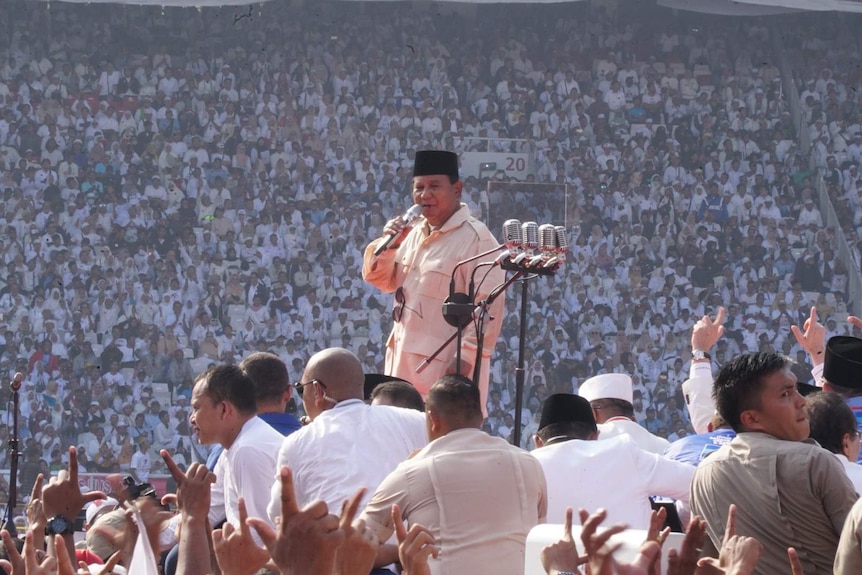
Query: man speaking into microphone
418,264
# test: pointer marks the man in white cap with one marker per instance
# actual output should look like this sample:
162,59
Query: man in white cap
610,396
97,508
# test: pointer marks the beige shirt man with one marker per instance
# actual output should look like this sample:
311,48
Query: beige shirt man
479,496
422,267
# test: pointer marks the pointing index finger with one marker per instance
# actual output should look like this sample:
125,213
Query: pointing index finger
73,465
567,528
289,508
36,492
176,472
719,316
730,529
398,521
348,514
243,517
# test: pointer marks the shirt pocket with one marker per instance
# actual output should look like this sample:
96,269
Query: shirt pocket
433,280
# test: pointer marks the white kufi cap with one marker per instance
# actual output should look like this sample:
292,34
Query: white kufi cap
607,386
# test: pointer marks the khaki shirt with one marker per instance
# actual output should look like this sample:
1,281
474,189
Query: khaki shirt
787,493
477,494
422,266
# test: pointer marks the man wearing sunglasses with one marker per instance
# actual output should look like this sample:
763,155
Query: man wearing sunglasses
418,266
348,444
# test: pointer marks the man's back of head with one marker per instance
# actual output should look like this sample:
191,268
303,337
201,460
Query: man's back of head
565,417
331,376
271,380
833,424
398,394
453,403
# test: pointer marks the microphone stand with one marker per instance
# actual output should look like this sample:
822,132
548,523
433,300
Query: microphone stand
458,309
520,372
13,464
480,308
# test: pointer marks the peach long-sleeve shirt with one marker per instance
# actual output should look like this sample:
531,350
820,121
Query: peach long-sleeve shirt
422,266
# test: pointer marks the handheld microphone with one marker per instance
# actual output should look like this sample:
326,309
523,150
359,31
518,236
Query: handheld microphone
408,218
17,381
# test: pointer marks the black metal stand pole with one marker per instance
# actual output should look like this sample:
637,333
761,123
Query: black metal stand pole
519,370
13,463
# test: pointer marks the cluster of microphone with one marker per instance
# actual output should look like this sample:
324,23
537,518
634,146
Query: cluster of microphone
533,247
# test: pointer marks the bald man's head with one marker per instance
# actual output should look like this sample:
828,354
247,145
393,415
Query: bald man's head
331,375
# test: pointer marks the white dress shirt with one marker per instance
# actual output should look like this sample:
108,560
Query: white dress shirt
350,446
614,474
616,427
854,471
249,466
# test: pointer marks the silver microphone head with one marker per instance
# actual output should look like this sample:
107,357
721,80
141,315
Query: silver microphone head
547,238
513,237
414,212
562,243
531,236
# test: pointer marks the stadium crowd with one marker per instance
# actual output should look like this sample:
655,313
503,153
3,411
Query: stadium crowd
179,192
826,81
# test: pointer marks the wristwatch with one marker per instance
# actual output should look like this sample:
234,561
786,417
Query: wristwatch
59,525
699,354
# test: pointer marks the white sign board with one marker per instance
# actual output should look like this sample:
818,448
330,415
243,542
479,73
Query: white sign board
487,164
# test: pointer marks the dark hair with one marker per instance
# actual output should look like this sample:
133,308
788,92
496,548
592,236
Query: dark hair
456,400
229,383
739,384
269,375
567,429
400,394
831,419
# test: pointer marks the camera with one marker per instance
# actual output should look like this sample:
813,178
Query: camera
138,490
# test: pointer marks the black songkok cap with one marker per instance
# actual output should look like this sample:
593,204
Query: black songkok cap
566,408
843,362
436,162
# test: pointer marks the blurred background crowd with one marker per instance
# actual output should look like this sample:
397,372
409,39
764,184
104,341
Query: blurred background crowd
179,188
